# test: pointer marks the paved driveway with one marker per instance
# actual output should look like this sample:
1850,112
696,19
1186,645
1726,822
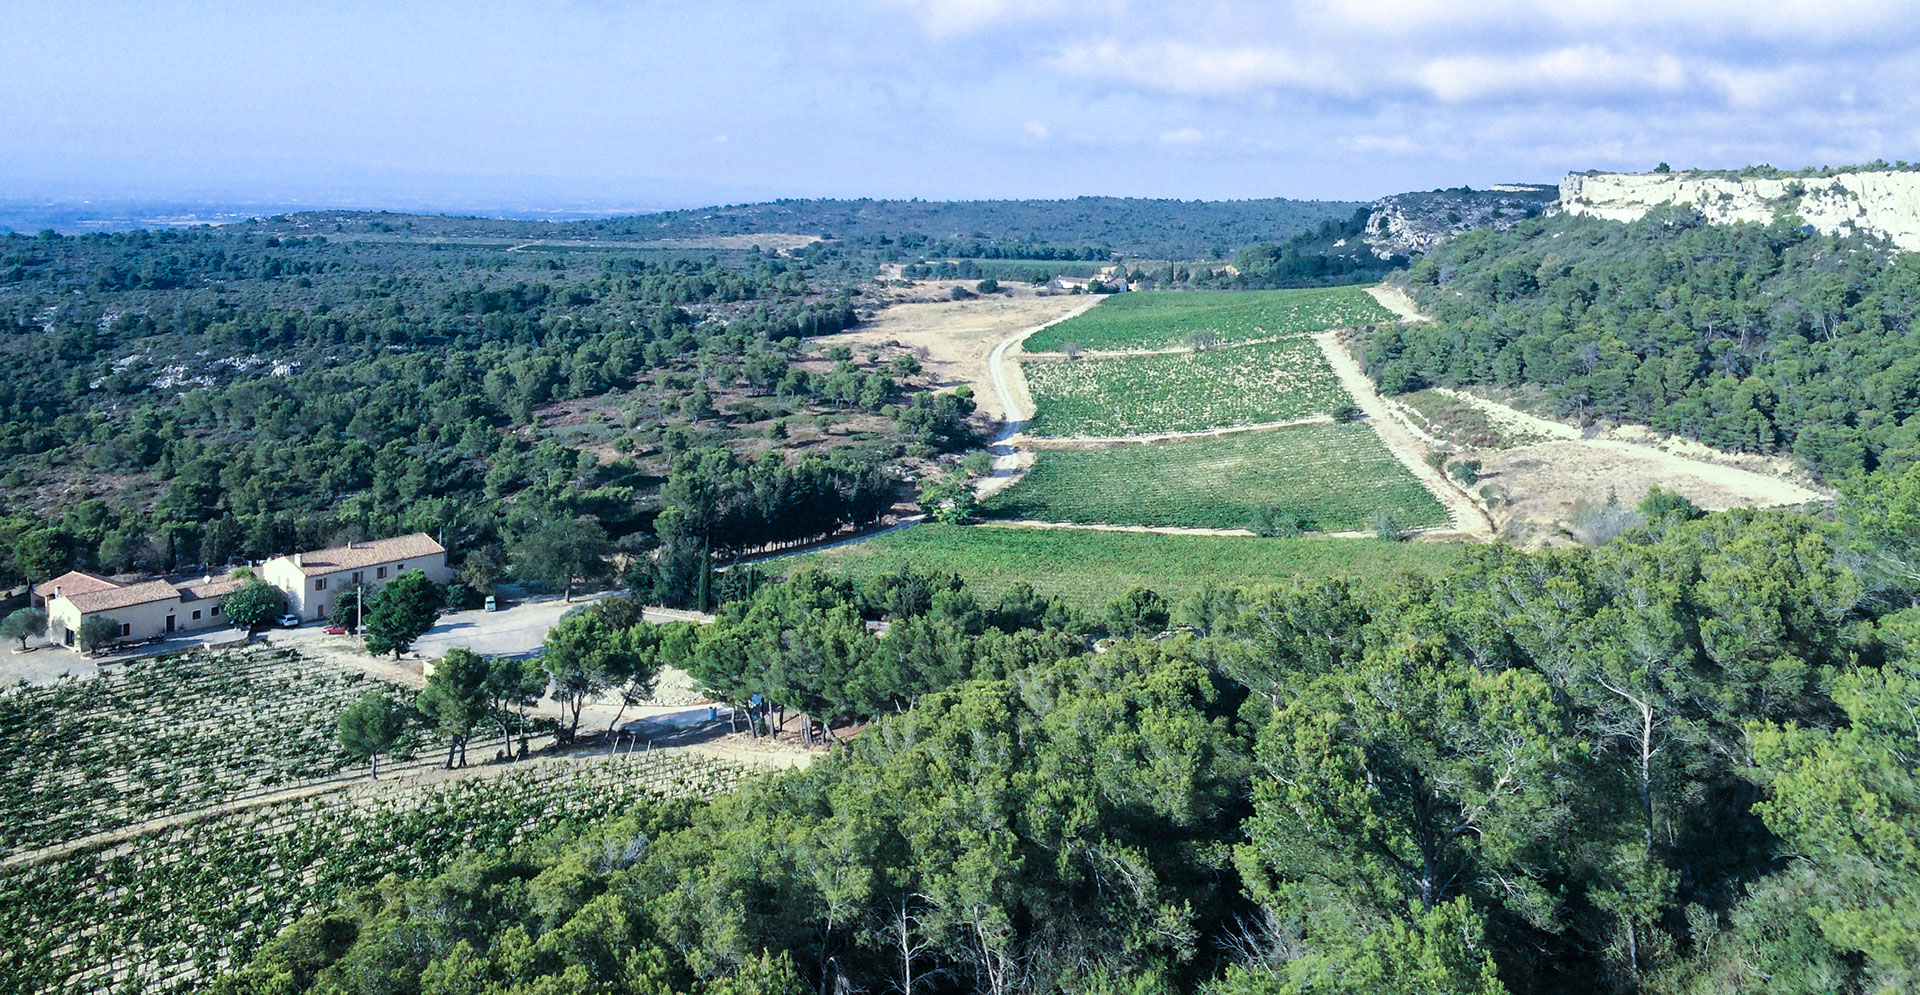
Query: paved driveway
513,631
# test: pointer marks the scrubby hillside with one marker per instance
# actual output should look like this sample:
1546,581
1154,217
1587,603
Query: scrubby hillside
1408,223
1760,338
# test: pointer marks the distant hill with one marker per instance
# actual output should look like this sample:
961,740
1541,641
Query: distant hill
1132,227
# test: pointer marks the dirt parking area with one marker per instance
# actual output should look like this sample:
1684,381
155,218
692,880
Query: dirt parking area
952,339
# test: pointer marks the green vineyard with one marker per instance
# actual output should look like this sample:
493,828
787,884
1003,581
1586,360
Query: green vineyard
1182,392
1166,319
1324,477
165,734
168,911
1090,568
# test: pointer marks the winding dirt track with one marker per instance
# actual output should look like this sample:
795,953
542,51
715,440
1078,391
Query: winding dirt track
1464,514
1010,461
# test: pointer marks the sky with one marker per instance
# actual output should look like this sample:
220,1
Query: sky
630,105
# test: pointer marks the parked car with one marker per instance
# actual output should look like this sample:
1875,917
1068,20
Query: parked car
335,630
289,621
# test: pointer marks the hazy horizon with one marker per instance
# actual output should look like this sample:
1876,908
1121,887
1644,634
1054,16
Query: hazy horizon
615,107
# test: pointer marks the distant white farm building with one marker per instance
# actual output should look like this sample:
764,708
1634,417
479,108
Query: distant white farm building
1084,284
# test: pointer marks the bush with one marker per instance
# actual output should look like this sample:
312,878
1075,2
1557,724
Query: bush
1138,612
1662,504
1276,523
1465,471
1387,525
987,286
1601,525
1347,412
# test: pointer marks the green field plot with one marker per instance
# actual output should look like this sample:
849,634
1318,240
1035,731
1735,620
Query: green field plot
188,900
1325,477
164,734
1091,568
1165,319
1182,392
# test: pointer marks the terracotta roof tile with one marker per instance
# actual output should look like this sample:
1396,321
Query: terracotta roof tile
360,555
200,590
74,582
143,593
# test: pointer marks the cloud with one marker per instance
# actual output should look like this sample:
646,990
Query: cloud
1036,131
1585,71
1199,70
1183,136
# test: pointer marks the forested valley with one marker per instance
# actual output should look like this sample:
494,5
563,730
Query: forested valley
1676,763
180,400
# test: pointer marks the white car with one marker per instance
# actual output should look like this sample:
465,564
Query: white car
289,621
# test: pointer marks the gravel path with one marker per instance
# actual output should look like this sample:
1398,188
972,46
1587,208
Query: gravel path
1463,512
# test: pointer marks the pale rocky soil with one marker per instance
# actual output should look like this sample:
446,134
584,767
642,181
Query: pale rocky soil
1542,485
952,339
1396,300
1550,481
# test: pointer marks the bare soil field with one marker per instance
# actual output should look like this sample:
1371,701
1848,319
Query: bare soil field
952,339
1557,469
1548,482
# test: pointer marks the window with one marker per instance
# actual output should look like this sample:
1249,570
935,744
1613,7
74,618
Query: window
216,609
320,584
399,566
380,574
126,629
196,616
356,576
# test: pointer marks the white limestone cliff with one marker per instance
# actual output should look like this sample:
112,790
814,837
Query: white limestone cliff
1884,203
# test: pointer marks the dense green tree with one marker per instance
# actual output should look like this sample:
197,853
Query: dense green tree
97,631
401,612
253,604
372,725
585,656
23,624
456,699
562,552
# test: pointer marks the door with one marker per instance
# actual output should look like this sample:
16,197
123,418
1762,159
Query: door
169,623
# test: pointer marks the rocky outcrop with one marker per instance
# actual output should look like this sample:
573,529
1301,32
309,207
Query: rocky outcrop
1408,223
1883,203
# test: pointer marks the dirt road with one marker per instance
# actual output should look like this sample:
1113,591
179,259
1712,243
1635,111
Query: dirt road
1464,514
1396,300
955,339
1016,405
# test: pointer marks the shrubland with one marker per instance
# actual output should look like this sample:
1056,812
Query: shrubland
1750,337
1628,768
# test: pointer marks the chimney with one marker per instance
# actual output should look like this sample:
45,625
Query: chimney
296,560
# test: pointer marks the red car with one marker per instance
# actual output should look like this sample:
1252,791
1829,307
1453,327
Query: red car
335,630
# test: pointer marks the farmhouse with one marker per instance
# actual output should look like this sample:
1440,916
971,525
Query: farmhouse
145,609
141,610
312,580
1068,284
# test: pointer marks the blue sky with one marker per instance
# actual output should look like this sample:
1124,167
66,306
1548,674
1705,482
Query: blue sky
503,105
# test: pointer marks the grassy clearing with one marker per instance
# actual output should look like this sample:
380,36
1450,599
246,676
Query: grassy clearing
1183,392
1164,319
1456,421
1091,568
1326,477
